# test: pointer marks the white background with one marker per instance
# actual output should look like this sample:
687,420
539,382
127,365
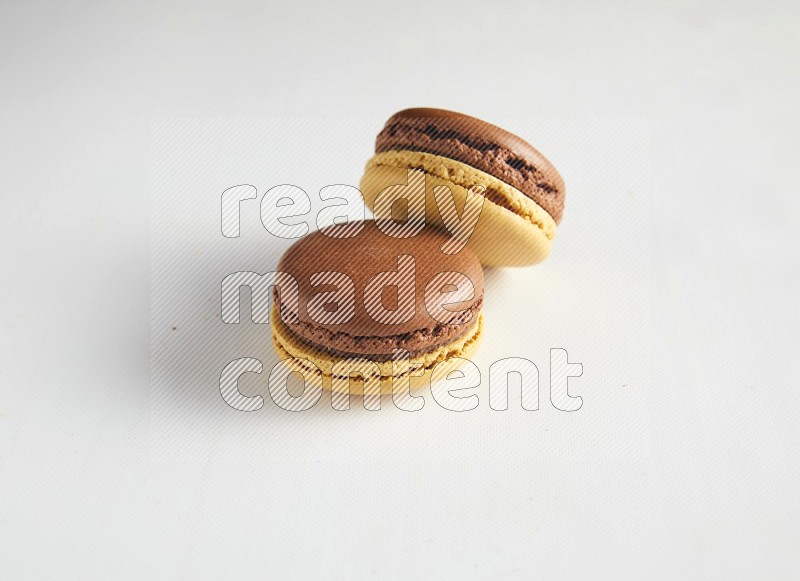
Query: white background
684,459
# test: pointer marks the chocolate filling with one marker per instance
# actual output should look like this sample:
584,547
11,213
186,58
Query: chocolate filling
464,142
377,348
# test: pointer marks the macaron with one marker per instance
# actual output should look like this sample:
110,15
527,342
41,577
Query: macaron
523,194
369,308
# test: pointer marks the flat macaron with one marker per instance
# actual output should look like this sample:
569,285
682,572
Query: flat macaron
523,193
366,301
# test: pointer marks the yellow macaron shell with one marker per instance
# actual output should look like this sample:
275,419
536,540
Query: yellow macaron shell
517,233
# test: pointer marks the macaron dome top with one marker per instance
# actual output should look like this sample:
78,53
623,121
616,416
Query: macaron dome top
361,258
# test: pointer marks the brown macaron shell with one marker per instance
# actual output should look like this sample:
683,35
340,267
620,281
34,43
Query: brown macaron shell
362,257
480,145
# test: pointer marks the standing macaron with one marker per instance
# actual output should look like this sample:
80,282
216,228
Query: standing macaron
369,302
523,193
